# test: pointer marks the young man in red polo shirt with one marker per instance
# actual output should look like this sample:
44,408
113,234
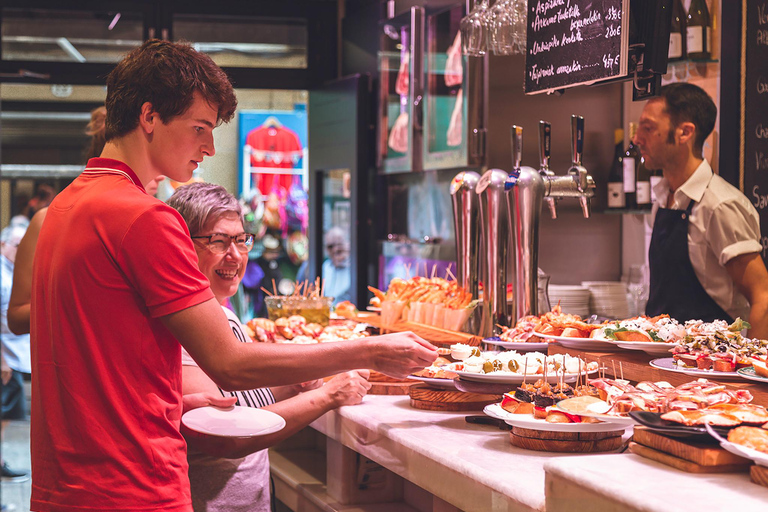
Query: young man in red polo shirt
116,288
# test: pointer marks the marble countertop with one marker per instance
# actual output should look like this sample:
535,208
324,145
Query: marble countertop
654,486
473,467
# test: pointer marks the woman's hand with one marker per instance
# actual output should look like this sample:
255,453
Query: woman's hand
347,388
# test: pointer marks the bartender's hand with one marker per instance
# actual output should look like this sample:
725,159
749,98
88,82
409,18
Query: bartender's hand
195,400
347,388
399,355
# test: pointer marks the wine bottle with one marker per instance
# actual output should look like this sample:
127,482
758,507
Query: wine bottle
656,177
698,31
616,199
629,163
677,33
643,186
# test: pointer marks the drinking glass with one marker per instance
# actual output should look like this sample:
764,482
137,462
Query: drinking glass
474,32
520,8
637,285
501,27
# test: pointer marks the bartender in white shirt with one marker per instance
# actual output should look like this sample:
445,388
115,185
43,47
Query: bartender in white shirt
705,254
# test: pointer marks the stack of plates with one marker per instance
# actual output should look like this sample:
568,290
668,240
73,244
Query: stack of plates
573,300
608,298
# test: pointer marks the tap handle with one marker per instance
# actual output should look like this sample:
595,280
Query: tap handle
577,134
517,146
545,144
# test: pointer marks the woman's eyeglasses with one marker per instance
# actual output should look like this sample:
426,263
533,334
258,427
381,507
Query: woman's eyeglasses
218,243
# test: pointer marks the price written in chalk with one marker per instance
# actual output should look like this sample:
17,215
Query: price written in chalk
613,14
612,31
610,61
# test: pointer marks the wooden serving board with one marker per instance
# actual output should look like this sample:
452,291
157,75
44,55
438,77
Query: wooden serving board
568,442
391,388
682,464
426,398
699,453
759,475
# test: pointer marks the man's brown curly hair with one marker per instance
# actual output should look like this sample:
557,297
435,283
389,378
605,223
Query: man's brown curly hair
166,75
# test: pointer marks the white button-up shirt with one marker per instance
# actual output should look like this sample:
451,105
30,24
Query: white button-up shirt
723,224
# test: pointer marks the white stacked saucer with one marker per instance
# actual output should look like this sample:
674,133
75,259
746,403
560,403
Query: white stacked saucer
573,300
608,298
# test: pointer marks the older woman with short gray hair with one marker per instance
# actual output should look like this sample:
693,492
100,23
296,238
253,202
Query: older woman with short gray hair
233,474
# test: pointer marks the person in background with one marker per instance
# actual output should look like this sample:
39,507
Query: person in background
231,475
705,253
15,359
18,310
336,272
117,292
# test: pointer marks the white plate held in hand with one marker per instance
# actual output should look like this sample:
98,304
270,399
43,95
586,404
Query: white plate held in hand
234,421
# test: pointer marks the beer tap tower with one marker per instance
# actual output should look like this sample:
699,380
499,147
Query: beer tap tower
527,189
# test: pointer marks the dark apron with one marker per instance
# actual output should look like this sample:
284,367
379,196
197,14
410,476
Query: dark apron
675,289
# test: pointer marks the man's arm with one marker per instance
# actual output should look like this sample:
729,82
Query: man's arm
21,295
751,278
204,331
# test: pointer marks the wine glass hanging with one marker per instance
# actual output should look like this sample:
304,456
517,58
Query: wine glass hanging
499,29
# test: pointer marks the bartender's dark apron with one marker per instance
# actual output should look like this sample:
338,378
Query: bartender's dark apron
675,289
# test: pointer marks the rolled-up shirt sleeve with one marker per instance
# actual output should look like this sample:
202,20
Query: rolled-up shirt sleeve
733,230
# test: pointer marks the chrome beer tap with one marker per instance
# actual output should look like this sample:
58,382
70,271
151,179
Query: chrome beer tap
545,149
525,195
496,244
466,223
527,189
577,182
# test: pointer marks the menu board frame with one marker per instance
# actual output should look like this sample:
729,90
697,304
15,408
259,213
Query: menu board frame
753,157
562,37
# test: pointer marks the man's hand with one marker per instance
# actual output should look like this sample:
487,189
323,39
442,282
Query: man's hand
399,355
195,400
348,388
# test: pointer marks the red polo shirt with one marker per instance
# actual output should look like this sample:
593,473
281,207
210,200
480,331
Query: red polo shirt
106,378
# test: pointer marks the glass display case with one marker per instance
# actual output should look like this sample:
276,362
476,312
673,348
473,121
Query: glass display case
401,91
445,109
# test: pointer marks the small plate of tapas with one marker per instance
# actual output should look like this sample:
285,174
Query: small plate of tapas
649,347
592,407
501,377
751,374
555,421
580,343
520,346
748,442
670,364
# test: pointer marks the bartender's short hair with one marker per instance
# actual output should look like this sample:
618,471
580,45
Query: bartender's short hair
166,75
202,203
689,103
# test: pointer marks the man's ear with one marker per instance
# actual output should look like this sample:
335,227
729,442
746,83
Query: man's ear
686,131
148,118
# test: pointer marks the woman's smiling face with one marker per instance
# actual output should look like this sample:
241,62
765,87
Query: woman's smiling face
226,270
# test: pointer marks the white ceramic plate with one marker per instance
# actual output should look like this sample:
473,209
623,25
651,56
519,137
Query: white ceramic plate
749,373
235,421
591,407
668,363
520,346
649,347
515,378
436,383
580,343
528,421
758,457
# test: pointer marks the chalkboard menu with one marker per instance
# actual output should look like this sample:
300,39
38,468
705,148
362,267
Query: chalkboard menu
572,42
756,112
